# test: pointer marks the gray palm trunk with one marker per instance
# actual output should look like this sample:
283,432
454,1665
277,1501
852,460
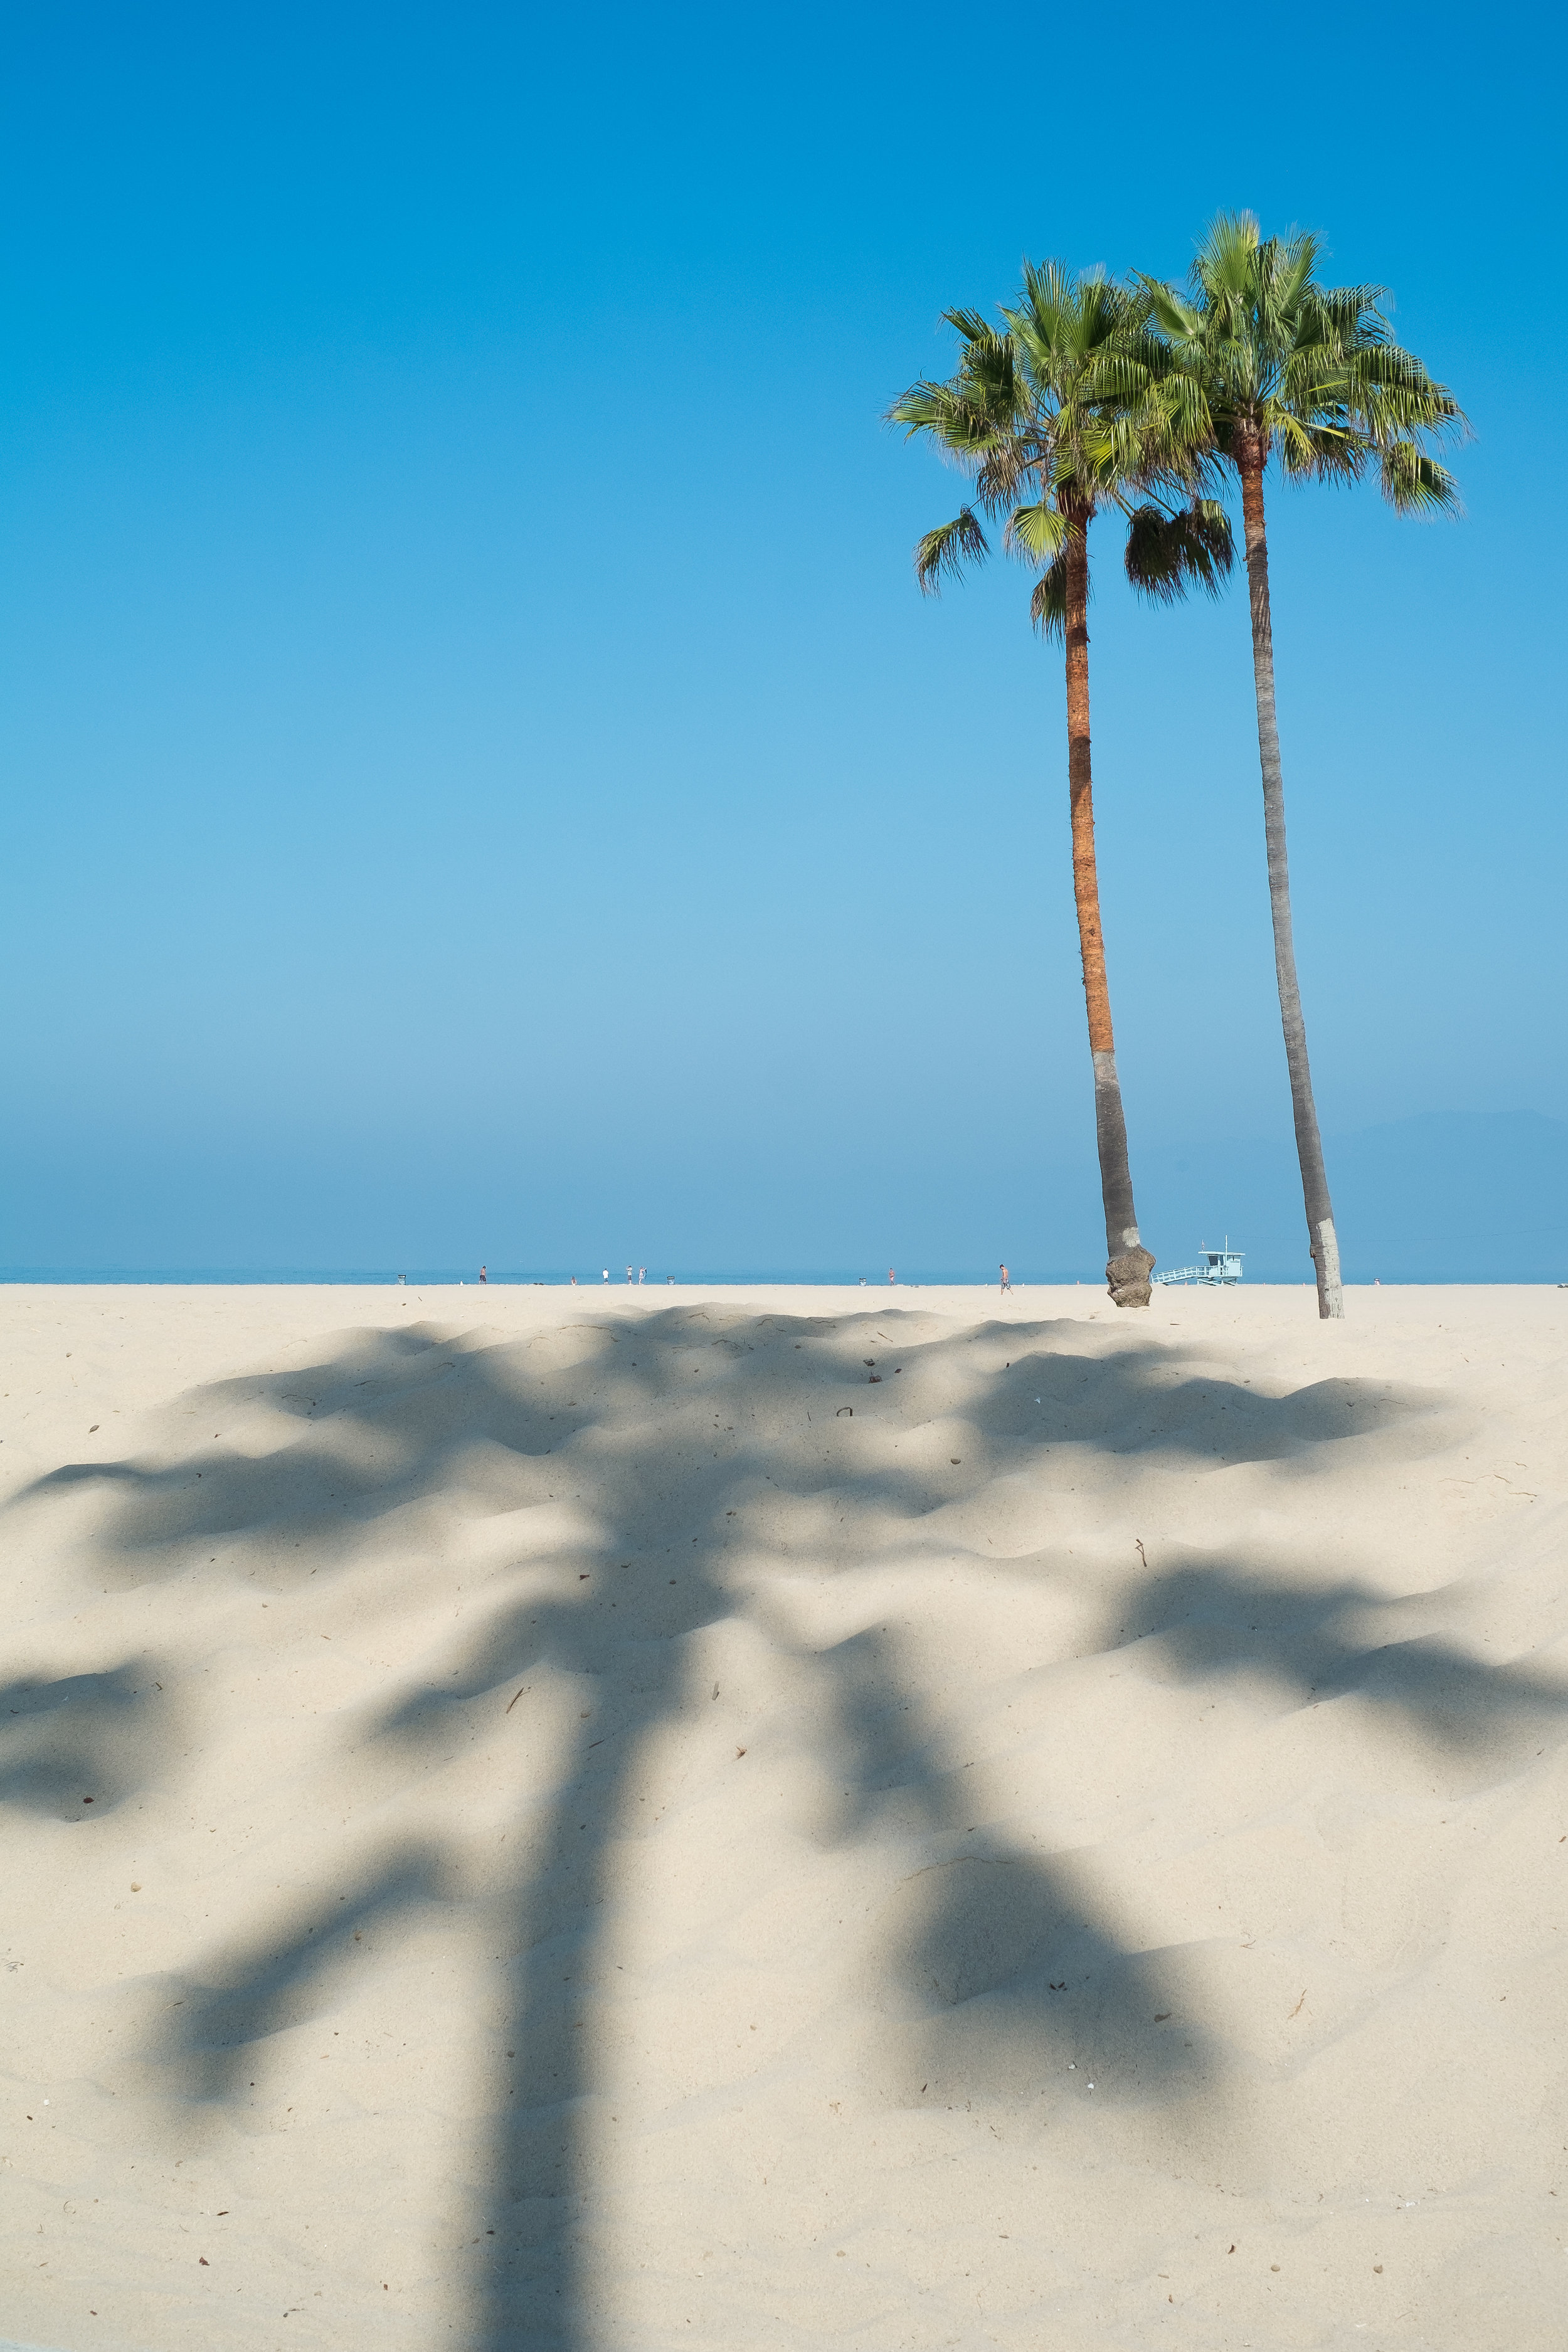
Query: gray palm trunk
1322,1239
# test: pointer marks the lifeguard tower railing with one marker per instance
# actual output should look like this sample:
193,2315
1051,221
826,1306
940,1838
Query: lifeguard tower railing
1218,1265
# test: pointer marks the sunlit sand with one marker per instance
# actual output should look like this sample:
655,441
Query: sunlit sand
763,1818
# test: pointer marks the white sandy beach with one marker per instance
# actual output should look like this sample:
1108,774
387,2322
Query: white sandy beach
610,1829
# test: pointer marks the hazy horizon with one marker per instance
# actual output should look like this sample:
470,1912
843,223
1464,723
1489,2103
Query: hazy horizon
1443,1198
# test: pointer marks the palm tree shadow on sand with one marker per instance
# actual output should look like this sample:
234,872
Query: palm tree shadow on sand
651,1452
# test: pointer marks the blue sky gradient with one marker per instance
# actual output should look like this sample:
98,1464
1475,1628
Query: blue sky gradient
480,779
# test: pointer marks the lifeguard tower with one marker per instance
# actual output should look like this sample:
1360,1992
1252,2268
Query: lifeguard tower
1220,1265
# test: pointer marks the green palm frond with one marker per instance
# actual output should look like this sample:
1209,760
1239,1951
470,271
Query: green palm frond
1353,313
961,426
1049,605
1415,483
1038,533
1390,390
944,552
989,378
1177,320
1320,449
1225,263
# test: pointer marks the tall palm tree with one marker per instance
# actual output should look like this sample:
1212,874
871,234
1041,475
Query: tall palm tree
1309,373
1067,407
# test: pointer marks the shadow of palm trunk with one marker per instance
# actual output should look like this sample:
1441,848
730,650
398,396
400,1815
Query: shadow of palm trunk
538,2286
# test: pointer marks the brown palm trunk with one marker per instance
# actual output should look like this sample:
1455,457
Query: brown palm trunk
1251,457
1131,1263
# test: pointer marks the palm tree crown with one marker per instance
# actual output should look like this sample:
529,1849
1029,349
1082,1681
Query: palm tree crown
1284,364
1069,406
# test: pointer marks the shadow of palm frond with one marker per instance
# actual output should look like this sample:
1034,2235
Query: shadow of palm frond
213,2023
77,1746
1008,1989
995,1970
1214,1619
1152,1402
331,1449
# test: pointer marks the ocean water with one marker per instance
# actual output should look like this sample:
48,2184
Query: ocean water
432,1277
424,1277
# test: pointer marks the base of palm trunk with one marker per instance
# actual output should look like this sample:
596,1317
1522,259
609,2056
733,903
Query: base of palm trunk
1128,1276
1326,1260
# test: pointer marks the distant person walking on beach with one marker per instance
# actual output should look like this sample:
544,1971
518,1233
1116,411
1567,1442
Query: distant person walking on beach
1006,1282
891,1275
606,1274
483,1275
574,1281
642,1275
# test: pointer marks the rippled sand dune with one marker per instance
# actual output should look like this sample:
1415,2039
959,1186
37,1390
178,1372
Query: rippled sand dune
773,1818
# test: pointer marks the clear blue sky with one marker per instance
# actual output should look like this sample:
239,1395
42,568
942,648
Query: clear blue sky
479,780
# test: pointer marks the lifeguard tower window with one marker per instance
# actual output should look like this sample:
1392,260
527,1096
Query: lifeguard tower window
1219,1266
